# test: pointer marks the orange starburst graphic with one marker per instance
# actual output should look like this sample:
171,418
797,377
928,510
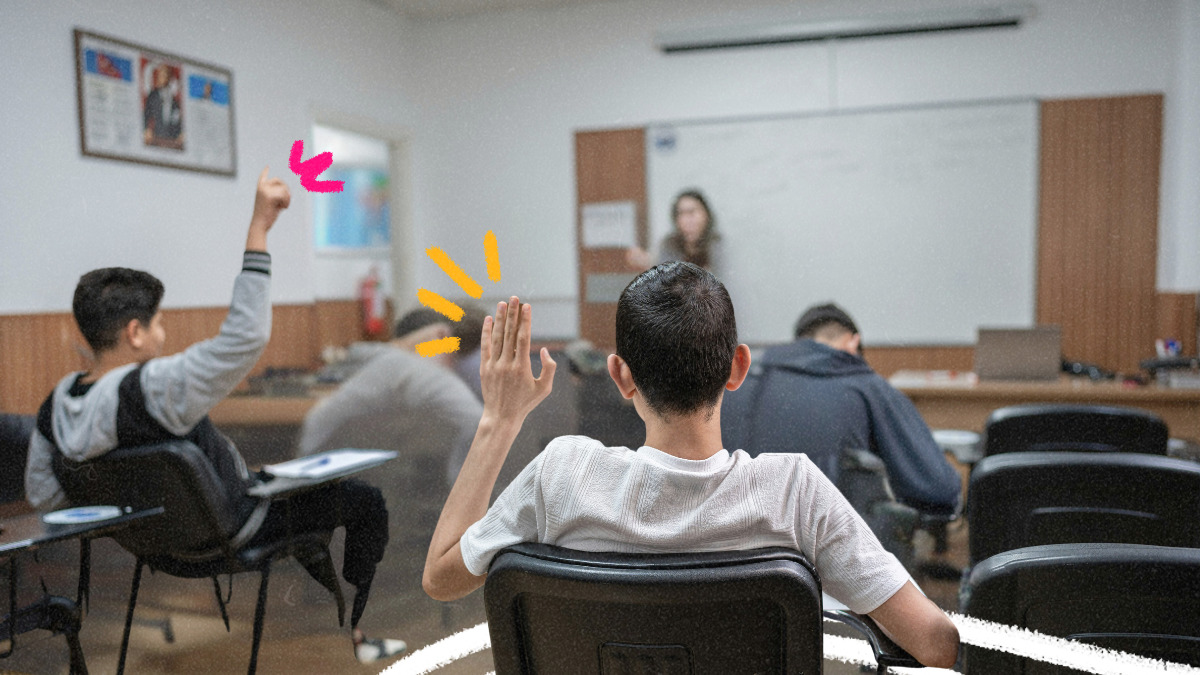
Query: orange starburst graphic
447,308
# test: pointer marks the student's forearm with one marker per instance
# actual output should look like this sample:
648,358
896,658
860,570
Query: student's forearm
468,499
256,237
916,624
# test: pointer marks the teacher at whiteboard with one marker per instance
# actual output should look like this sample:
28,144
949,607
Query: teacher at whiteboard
695,238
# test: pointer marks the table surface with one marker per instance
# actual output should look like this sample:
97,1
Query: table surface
28,532
1066,389
960,405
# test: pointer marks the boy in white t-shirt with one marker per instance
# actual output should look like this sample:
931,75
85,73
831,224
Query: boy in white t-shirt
677,352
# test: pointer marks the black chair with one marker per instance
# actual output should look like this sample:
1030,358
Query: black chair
1091,428
200,534
15,431
556,610
53,613
1032,498
862,480
1139,599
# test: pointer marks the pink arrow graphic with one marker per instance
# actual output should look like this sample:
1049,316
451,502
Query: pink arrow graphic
309,169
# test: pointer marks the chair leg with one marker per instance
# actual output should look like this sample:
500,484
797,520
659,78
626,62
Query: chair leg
63,616
85,574
259,612
221,602
137,580
320,567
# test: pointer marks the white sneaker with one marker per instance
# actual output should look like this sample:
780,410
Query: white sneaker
371,650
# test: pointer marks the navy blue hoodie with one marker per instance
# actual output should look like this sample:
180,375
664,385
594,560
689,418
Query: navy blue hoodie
810,398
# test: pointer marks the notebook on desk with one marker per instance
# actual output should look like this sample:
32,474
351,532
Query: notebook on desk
1019,353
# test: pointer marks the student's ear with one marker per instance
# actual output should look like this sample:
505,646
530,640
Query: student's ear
618,370
134,333
854,344
740,367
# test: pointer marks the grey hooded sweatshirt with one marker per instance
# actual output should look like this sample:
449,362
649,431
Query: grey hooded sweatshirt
164,398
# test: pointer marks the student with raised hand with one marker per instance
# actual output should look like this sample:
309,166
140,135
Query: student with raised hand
677,352
134,396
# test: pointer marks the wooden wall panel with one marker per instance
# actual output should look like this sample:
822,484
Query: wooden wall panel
336,322
1177,319
887,360
609,166
36,350
1098,226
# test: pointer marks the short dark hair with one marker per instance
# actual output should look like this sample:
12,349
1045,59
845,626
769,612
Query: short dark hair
817,318
468,329
107,299
676,331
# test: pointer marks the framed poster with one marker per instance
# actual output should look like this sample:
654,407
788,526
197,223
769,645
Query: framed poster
144,105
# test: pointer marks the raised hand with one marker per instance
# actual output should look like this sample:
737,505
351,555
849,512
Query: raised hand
272,197
510,391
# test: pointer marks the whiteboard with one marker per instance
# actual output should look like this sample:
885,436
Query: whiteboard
920,222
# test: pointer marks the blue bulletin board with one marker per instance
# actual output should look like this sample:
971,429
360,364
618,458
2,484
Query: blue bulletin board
356,218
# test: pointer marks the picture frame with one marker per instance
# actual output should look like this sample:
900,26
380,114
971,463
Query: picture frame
148,106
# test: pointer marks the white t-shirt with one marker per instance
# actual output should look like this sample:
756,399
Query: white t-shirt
582,495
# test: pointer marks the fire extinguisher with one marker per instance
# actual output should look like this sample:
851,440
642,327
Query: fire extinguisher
373,310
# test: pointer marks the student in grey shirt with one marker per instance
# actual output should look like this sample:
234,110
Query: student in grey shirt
134,396
401,401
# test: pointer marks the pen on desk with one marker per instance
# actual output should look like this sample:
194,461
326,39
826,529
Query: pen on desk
317,463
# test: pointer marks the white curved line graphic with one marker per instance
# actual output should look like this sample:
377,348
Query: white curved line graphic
972,631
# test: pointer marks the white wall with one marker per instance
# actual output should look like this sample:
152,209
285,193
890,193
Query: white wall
492,103
501,96
1179,219
62,214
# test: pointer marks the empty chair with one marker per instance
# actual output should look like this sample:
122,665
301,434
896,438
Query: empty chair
201,532
1132,598
556,610
1031,498
1089,428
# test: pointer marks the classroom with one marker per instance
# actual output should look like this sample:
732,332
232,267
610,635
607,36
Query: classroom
515,118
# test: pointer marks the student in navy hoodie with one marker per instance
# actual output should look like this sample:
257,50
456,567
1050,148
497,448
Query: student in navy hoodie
818,396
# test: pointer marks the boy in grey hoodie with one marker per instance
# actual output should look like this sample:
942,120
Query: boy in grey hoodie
133,396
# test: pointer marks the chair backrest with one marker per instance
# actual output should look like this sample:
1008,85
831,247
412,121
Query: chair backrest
555,610
1044,427
1031,498
176,475
15,431
1132,598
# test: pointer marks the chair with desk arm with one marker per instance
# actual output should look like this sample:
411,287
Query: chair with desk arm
1080,428
53,613
1128,597
557,610
201,534
1032,498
